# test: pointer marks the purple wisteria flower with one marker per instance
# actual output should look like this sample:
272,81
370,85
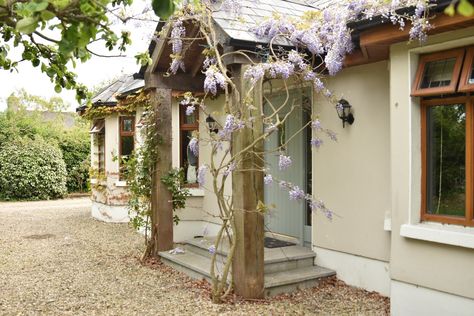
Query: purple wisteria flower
177,32
231,125
316,125
194,146
281,69
212,249
268,179
296,193
332,135
284,162
214,79
254,73
176,64
316,142
230,168
208,62
201,177
190,110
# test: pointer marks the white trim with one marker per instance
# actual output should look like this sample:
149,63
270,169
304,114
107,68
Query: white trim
93,181
410,299
439,233
196,192
366,273
121,183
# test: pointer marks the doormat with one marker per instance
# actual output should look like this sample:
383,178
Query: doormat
276,243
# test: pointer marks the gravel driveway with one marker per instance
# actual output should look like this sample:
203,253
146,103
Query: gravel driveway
55,259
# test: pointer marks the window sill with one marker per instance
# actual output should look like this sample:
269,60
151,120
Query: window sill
440,233
121,184
93,181
196,192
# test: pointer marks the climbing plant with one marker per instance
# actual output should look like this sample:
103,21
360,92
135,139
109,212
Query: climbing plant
321,39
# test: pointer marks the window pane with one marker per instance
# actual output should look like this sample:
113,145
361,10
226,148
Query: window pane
127,145
127,125
189,161
446,181
438,73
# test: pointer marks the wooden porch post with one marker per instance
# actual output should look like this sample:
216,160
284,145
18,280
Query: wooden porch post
247,191
161,206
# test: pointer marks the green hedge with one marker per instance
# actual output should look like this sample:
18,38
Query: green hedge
74,143
32,169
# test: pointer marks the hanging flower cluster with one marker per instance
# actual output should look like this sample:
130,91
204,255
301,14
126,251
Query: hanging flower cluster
177,32
327,35
231,125
194,146
214,79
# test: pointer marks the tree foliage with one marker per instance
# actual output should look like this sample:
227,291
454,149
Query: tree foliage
55,34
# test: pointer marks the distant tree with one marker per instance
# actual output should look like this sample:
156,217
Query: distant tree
24,100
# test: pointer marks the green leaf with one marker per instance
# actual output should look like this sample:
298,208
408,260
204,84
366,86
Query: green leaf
465,8
450,10
58,88
163,8
40,6
47,15
27,25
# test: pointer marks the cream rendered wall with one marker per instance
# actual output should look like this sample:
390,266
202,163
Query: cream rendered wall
427,264
352,175
199,216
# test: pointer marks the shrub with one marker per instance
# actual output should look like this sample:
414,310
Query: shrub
76,154
32,169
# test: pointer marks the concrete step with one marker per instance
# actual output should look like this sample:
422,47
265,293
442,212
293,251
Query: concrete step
276,259
295,279
298,274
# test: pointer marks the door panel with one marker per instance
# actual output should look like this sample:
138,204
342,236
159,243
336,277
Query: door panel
286,216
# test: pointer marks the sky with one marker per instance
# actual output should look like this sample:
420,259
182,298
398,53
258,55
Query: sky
91,73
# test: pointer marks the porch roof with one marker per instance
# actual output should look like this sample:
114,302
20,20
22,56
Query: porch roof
126,84
239,27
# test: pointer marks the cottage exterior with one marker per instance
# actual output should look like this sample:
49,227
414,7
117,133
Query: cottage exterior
380,178
114,135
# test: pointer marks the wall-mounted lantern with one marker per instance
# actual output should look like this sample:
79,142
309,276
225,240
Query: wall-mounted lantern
212,124
343,109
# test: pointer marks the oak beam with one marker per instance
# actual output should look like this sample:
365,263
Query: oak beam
180,81
161,200
247,191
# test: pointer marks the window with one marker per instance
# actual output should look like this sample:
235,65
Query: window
188,127
467,76
98,132
127,142
447,135
438,73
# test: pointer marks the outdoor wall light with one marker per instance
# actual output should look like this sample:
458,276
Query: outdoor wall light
343,109
212,124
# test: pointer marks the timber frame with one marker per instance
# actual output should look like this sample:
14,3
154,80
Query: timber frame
373,44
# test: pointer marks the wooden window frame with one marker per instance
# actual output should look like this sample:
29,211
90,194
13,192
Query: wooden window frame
184,127
468,219
464,86
99,152
457,53
123,133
